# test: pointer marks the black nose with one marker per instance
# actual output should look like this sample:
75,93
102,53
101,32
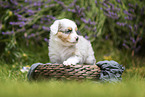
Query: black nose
77,38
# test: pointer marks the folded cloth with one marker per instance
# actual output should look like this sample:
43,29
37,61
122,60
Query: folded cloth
111,71
31,71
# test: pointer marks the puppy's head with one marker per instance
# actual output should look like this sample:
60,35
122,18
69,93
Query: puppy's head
65,30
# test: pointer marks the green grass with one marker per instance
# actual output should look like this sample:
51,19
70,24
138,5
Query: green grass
14,83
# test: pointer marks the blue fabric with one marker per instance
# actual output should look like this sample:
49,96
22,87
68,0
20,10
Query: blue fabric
111,71
30,73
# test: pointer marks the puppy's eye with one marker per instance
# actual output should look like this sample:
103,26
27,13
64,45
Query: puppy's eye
68,31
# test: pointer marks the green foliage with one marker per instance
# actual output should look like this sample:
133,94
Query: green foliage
25,24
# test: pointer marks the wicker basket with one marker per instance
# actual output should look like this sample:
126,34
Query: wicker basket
59,71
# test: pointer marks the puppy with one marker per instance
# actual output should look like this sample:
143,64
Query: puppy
67,47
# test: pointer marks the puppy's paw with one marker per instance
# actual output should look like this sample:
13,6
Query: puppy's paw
67,63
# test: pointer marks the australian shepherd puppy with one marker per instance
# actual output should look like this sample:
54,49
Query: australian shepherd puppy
67,47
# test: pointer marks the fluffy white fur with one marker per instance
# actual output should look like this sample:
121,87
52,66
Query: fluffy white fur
67,47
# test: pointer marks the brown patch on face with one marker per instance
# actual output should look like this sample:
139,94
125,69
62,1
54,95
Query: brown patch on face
69,28
76,29
64,37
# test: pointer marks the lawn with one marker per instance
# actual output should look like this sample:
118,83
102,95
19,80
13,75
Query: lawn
14,83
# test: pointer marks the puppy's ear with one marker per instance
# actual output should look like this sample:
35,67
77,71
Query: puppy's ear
54,27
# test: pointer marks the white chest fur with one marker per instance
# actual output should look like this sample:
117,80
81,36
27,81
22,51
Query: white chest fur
65,52
59,53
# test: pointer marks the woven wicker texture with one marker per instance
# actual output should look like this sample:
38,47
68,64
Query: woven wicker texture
59,71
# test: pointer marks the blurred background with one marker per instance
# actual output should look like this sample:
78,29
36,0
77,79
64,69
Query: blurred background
116,29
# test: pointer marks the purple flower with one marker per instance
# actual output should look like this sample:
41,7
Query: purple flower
88,28
112,6
121,24
73,3
86,37
126,46
45,28
20,16
131,10
79,33
51,5
77,22
143,11
130,27
94,35
128,18
104,4
8,33
135,27
107,36
42,22
53,18
112,13
133,40
18,23
38,3
137,48
31,35
107,9
84,20
111,16
131,5
44,18
116,9
96,2
138,39
21,30
48,1
127,13
35,26
12,23
72,10
136,5
21,24
119,1
26,0
79,11
46,40
61,3
14,2
95,29
93,23
30,11
35,3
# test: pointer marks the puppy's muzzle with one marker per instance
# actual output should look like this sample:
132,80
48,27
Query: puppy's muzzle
77,38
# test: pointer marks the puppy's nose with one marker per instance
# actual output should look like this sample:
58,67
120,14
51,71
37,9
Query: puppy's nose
77,38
